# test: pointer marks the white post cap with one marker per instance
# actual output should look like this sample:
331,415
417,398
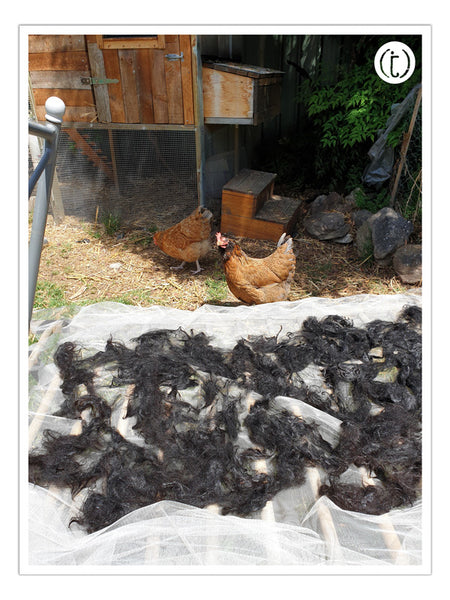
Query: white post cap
55,109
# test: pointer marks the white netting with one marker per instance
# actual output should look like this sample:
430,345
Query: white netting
297,527
170,533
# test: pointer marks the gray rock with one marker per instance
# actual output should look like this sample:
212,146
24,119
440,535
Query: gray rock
389,231
364,243
318,205
407,263
359,216
326,225
332,202
347,239
326,217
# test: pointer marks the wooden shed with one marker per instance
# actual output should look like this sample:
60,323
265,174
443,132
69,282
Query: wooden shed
127,79
132,100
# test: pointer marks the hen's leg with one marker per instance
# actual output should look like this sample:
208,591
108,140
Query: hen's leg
199,268
179,266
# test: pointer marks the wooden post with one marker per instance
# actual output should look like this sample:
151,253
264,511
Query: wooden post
236,149
100,90
199,118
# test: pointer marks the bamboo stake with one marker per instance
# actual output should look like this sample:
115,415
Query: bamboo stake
390,536
323,512
122,425
325,519
405,146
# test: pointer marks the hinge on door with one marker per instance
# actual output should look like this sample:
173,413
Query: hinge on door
96,81
174,56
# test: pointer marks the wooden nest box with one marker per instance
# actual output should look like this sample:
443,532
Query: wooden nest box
249,208
240,94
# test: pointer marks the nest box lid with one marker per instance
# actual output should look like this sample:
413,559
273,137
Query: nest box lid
241,69
250,182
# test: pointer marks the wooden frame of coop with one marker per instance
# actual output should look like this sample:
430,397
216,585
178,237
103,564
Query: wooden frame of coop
151,82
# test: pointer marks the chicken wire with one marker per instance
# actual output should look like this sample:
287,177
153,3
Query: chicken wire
297,528
138,176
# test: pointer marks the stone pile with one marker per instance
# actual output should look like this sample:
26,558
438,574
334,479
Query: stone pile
383,235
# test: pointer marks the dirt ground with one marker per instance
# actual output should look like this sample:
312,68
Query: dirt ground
82,264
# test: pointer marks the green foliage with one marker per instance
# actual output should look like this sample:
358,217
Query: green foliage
66,249
93,231
372,202
111,223
48,295
217,288
354,109
366,253
345,117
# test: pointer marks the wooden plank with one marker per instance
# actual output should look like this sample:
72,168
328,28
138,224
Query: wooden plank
58,61
244,205
100,91
131,43
127,62
173,81
56,43
115,90
270,81
73,114
238,204
251,228
144,85
158,78
59,79
227,95
70,97
243,70
186,79
228,121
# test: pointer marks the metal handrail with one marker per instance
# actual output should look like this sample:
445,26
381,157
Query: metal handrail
43,177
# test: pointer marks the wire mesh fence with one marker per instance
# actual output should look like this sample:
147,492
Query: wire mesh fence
138,176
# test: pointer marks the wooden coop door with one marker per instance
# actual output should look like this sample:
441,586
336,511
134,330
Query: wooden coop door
144,79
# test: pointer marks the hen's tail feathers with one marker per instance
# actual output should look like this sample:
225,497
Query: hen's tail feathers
285,240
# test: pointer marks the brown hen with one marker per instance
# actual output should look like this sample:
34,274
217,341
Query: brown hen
188,240
258,280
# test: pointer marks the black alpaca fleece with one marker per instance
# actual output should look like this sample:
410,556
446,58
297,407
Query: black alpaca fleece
189,404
